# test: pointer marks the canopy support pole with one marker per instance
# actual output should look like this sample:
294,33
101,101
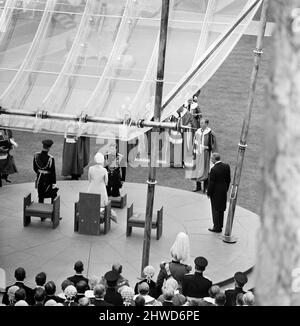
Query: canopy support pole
246,123
157,112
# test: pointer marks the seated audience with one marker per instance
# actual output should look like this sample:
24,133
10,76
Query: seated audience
143,289
50,303
84,301
178,298
168,294
239,301
20,294
21,303
11,294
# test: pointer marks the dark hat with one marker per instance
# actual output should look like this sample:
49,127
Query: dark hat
111,276
200,262
47,142
241,278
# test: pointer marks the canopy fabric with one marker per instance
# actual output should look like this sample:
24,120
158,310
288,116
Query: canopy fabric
99,57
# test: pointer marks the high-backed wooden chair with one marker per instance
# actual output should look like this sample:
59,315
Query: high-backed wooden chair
87,215
41,210
138,220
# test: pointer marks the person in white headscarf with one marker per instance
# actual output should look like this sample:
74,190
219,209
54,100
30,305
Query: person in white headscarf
179,266
98,179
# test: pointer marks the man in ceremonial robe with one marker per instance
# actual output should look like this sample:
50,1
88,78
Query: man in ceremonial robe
116,168
44,167
76,155
204,144
179,140
7,163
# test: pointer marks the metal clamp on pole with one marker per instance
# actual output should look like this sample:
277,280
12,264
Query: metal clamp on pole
140,123
242,147
151,182
258,51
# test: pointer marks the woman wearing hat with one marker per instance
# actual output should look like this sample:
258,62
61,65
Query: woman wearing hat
98,180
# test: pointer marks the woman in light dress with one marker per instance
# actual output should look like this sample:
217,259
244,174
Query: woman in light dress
98,179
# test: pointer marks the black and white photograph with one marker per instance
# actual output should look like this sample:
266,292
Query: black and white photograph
149,156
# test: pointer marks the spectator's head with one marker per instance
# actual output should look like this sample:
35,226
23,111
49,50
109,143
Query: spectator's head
50,303
99,291
40,279
249,298
220,299
127,294
180,250
148,272
50,288
213,291
39,295
93,281
139,301
20,274
194,302
81,287
78,267
11,293
195,98
21,303
111,278
70,292
20,294
239,299
65,284
200,264
117,267
47,143
143,288
84,301
171,283
240,279
168,294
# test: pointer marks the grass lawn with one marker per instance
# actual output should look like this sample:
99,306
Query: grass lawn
223,102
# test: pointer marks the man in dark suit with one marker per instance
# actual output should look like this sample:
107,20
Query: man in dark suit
231,294
112,296
20,276
218,184
196,285
78,267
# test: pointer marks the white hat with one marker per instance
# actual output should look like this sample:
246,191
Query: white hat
99,158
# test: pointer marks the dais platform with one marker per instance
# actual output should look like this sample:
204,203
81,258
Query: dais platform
39,248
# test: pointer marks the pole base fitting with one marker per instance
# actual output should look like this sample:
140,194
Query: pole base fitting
229,239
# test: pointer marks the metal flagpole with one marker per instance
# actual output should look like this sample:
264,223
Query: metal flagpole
157,112
244,133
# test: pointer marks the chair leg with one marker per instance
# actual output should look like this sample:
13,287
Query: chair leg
128,231
26,220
